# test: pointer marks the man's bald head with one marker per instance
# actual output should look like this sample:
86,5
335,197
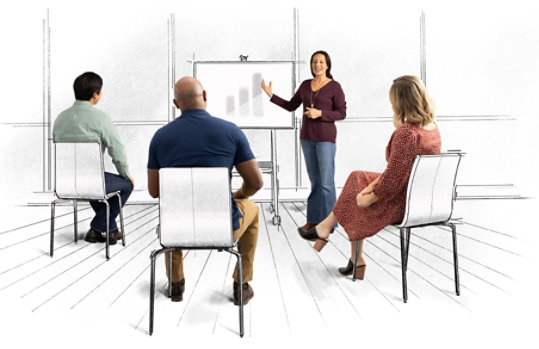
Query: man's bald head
189,94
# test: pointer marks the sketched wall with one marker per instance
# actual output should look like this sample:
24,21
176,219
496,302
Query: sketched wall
480,71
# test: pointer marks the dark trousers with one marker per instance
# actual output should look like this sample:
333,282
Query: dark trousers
113,183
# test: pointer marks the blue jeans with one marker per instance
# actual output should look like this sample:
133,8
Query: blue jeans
113,183
320,161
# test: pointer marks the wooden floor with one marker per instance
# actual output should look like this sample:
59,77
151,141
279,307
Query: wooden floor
79,298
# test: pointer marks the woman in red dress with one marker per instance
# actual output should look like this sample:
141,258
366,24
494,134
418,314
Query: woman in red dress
370,201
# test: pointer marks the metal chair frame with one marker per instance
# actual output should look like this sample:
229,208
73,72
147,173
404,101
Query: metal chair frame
405,228
75,199
155,253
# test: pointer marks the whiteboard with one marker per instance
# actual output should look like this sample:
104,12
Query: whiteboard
233,91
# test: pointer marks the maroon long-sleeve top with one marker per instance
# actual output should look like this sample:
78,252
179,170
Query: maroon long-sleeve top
329,99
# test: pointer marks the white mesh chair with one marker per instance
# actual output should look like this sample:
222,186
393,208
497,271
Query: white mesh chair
79,175
429,201
194,213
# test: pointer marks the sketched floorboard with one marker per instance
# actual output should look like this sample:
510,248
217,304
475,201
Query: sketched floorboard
268,283
296,288
376,288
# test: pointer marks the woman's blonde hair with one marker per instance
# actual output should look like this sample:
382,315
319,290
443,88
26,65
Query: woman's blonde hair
411,102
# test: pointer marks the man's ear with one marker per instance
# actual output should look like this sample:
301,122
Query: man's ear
176,103
204,96
95,98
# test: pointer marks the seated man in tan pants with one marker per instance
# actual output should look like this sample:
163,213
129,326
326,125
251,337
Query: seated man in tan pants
197,139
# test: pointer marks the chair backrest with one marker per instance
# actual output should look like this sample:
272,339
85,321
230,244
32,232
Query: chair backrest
79,170
195,207
431,189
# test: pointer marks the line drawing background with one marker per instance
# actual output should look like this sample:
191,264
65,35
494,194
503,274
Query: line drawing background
496,74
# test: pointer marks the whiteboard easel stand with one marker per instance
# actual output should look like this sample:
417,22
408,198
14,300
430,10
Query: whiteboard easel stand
274,206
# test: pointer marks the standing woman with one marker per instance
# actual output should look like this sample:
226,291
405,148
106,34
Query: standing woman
323,104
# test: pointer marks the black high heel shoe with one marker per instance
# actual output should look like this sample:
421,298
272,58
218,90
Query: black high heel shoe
349,269
310,234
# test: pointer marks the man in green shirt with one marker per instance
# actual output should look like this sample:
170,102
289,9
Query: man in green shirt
83,122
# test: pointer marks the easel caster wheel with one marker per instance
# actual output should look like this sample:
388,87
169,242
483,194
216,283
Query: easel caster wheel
276,220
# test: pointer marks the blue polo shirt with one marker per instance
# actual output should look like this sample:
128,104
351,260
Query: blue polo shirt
197,139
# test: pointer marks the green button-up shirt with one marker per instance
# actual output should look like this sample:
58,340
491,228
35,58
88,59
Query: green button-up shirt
83,122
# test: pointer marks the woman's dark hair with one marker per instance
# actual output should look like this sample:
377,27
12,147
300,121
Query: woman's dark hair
328,62
86,85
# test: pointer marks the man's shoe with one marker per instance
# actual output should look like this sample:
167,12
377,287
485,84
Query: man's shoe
93,236
117,234
248,293
112,237
177,291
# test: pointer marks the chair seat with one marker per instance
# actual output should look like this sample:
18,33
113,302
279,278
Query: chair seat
429,202
79,175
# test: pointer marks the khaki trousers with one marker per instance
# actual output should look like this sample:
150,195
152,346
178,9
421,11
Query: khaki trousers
247,235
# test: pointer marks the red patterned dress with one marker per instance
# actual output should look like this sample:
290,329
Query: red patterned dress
405,144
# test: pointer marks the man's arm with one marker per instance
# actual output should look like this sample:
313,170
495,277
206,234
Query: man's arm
153,183
111,139
252,179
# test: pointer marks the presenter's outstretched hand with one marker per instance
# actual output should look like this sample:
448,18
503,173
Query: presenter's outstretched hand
267,88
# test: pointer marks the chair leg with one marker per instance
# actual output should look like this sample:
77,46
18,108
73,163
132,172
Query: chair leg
408,230
169,274
75,218
107,231
355,262
53,206
121,218
403,267
240,271
152,288
153,257
455,259
240,275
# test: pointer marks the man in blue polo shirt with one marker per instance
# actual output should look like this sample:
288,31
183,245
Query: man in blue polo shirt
197,139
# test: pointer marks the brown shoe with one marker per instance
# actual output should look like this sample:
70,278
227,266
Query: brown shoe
319,245
177,291
307,226
349,269
247,293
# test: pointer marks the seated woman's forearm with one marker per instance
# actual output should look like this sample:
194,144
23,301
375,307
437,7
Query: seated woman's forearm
373,183
365,200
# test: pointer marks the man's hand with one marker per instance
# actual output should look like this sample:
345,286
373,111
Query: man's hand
252,179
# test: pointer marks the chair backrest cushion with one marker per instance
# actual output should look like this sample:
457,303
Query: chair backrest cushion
431,187
195,207
79,171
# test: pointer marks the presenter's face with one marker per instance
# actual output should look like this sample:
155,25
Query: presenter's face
319,65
